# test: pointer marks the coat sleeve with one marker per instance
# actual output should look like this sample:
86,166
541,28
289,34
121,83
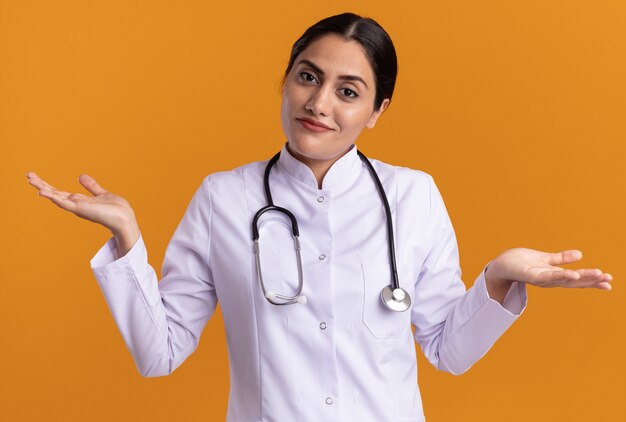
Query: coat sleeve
456,327
161,322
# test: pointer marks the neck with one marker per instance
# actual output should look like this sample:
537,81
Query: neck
318,167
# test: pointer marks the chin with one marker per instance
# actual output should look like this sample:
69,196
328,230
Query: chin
311,149
311,154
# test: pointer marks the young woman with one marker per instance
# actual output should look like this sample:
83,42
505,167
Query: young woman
320,258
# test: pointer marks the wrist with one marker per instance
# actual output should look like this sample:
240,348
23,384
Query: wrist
126,237
126,226
497,287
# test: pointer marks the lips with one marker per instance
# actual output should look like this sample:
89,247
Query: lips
313,125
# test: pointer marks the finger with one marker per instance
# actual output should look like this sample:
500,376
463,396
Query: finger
554,278
63,202
591,279
589,273
56,194
568,275
31,175
91,185
583,278
565,257
604,286
37,181
595,275
47,190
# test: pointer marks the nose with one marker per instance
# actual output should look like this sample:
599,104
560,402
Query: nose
320,102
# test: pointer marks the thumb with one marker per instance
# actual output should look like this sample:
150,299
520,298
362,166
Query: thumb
91,185
565,257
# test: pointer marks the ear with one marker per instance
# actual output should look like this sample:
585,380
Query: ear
376,114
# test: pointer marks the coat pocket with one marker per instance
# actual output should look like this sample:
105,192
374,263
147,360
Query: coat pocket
381,321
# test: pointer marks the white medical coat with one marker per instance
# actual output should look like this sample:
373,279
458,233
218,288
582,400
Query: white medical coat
342,356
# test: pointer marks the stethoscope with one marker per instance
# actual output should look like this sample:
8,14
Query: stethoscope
393,296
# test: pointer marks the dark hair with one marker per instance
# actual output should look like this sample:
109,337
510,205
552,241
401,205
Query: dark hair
376,43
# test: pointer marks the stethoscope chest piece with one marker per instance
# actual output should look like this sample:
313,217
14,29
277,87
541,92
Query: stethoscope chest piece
396,300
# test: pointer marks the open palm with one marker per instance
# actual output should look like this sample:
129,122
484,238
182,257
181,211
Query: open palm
104,207
543,269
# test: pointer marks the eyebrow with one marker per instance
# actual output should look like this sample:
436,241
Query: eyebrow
321,72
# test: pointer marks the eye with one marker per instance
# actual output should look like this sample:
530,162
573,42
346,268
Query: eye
306,76
349,93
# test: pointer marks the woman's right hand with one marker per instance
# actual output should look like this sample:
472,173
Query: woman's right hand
104,207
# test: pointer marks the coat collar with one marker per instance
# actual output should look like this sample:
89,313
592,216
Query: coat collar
341,173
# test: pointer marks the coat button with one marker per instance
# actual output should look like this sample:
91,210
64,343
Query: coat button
329,400
320,199
322,257
323,325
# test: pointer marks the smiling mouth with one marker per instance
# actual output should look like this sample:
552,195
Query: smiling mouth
313,127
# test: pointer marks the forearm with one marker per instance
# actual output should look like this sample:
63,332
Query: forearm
131,289
473,325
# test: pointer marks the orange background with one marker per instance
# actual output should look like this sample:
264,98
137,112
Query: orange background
517,109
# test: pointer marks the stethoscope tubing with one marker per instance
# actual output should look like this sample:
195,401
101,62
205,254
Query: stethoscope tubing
390,240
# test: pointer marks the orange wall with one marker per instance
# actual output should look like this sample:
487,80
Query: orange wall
516,109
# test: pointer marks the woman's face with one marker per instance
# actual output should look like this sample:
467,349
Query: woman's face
331,83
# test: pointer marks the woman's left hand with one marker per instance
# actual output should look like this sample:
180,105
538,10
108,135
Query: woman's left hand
542,269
